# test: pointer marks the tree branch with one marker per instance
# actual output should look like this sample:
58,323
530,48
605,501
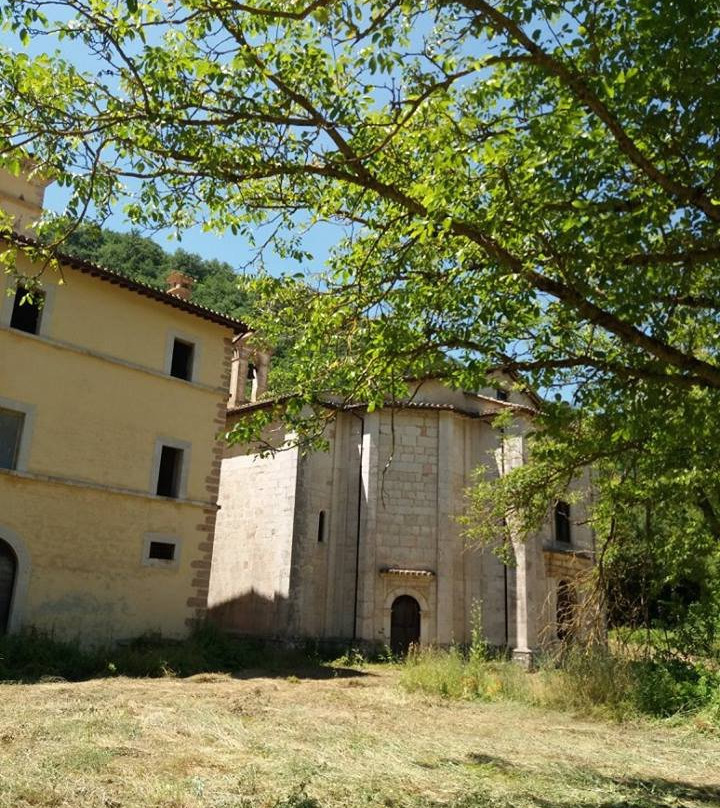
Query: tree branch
578,86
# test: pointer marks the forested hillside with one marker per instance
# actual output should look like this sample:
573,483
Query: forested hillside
217,284
139,257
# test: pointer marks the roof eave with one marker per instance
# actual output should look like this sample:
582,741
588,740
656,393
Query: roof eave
152,292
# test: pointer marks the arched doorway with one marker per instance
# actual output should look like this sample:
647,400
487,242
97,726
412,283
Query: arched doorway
8,573
404,624
565,610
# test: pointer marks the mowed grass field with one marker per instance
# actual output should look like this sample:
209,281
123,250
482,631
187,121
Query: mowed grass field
329,738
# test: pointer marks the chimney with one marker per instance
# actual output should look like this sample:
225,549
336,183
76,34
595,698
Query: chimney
179,284
22,196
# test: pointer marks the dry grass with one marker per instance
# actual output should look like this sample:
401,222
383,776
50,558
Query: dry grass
212,741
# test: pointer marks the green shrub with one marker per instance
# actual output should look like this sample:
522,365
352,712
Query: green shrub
32,655
586,680
453,674
589,681
664,687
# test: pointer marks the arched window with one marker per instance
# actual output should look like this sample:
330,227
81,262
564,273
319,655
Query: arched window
8,573
565,610
250,377
562,522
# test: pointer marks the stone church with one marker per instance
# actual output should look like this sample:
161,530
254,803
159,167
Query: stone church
362,543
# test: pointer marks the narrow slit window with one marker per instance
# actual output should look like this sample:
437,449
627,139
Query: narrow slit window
169,472
250,381
562,522
321,527
181,365
26,311
162,550
11,427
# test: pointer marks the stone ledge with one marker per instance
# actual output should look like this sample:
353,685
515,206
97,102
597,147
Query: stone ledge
564,561
400,572
107,489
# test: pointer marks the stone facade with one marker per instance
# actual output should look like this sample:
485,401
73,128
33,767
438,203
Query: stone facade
327,545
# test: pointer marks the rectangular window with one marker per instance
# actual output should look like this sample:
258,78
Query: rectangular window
562,522
501,395
26,312
321,527
181,364
11,426
169,472
162,550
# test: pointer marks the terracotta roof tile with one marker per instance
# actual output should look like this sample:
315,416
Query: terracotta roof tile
145,289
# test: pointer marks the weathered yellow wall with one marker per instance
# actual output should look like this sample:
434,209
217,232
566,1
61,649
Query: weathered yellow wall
85,548
105,318
96,378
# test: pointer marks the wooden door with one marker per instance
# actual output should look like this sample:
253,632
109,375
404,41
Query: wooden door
404,624
8,569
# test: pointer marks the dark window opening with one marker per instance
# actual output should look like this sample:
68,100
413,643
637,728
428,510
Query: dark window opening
8,573
250,381
562,522
11,426
501,395
182,359
162,550
565,610
321,527
26,312
168,484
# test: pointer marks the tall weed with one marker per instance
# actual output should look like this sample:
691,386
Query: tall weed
34,655
591,681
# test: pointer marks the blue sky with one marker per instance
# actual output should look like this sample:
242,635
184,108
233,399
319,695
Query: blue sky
225,247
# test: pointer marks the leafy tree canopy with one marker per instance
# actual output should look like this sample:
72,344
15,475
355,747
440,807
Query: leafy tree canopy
524,185
217,285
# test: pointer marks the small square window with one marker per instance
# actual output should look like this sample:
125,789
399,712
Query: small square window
181,364
169,472
501,395
26,312
162,550
11,427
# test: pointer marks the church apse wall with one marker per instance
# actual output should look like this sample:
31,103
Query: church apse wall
362,542
250,578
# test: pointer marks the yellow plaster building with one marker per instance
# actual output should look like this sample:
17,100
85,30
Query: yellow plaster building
112,395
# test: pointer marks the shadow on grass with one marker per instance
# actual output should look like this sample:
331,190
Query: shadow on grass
656,792
661,791
319,671
621,792
604,791
34,657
